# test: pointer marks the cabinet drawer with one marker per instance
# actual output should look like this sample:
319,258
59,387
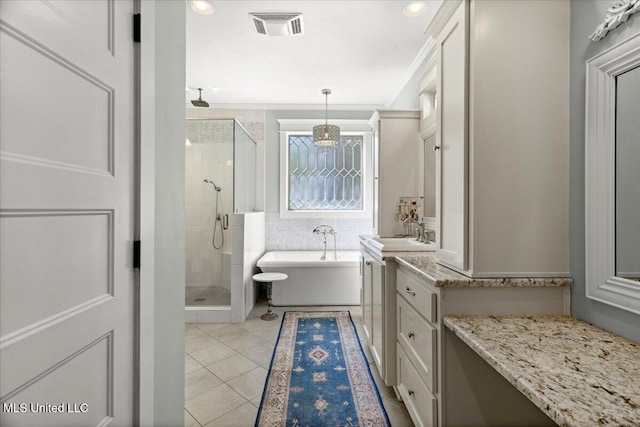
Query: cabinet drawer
421,404
418,339
417,294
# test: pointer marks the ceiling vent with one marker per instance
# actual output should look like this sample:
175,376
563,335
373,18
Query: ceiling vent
277,24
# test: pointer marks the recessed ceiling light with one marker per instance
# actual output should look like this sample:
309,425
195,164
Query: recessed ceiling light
414,8
203,7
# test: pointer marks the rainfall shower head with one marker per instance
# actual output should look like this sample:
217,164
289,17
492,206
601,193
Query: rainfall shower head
208,181
200,102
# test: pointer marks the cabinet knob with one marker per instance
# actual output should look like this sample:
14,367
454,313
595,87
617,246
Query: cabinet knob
410,291
411,393
411,335
367,262
436,147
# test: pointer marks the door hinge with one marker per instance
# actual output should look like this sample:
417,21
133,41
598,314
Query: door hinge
136,254
136,27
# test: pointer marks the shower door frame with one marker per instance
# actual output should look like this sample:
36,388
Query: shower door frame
213,313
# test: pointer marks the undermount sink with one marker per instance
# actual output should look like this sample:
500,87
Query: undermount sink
401,244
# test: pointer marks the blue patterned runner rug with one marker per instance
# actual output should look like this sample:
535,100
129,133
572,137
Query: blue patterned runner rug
319,376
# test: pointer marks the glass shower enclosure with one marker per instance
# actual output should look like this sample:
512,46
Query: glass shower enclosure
220,168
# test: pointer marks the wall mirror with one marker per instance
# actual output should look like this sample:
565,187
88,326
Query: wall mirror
612,180
428,79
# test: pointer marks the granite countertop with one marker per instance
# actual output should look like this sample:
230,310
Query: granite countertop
425,264
577,374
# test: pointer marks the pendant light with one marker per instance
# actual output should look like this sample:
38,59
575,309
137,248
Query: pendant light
326,136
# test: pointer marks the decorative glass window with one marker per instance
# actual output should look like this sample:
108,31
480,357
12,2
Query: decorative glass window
336,183
325,180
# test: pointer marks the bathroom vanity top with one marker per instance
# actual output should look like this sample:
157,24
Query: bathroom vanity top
425,265
577,374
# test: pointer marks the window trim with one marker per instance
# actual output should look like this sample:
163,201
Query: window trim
303,127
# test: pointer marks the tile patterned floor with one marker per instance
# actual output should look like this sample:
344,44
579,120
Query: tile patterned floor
226,366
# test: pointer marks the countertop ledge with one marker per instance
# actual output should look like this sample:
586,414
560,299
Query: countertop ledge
577,374
425,265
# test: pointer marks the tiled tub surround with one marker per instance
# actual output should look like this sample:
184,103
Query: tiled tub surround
425,264
577,374
283,234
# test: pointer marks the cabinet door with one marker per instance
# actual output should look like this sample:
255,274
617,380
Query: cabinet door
367,300
375,166
451,140
377,343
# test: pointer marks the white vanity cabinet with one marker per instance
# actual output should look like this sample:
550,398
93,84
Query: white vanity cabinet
425,292
502,137
366,268
397,165
417,348
379,312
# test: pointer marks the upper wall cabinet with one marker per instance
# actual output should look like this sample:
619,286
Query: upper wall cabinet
397,165
502,137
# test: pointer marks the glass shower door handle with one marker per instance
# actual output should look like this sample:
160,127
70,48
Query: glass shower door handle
225,222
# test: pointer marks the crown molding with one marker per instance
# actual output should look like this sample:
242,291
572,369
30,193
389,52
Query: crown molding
442,17
272,107
426,52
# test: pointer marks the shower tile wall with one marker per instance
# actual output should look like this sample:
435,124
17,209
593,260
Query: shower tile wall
296,234
254,122
209,155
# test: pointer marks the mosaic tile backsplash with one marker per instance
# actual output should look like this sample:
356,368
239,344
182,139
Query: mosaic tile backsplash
284,234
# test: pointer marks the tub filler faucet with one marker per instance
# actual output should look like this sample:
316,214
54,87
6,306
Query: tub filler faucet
324,230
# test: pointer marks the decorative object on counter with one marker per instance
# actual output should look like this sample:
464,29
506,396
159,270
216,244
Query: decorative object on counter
577,374
618,13
269,278
326,136
319,375
324,230
409,212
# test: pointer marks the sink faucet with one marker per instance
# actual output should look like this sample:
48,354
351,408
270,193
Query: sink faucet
429,236
413,221
324,230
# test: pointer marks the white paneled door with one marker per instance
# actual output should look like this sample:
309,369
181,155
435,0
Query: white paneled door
66,213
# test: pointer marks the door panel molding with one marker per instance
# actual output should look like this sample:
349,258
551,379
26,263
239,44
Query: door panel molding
108,101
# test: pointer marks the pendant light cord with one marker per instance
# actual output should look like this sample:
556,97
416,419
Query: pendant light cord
326,110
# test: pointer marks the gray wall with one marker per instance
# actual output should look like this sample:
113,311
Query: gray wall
407,98
585,16
169,214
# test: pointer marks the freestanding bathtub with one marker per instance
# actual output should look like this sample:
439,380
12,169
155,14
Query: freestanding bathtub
313,281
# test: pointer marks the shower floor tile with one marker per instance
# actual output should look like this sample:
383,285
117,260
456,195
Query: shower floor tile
199,296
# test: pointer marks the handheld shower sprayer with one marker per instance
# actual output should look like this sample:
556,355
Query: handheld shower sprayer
217,219
208,181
